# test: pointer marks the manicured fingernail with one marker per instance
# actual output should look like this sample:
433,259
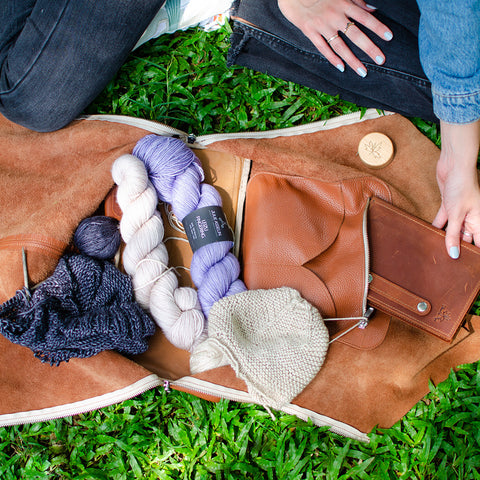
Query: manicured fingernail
340,67
387,36
454,252
362,72
370,6
379,59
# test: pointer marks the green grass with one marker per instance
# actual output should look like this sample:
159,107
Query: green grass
182,80
178,436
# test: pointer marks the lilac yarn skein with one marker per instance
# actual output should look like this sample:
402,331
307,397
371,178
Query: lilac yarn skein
177,175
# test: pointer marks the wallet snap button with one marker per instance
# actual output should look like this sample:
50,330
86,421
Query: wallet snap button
422,307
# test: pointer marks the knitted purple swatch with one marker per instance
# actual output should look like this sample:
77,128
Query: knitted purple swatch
85,307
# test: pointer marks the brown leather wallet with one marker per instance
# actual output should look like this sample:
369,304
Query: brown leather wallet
411,275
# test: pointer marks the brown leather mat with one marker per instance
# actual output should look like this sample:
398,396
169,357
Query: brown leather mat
49,182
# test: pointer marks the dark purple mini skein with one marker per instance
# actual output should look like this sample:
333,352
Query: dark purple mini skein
98,237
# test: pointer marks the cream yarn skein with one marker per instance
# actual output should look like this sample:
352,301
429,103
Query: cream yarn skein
175,309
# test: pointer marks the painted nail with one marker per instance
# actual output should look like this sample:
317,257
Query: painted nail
362,72
454,252
370,6
340,67
379,59
387,36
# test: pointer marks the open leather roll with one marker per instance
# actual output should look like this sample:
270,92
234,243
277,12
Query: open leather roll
49,182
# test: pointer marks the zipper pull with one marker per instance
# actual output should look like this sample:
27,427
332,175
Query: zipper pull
366,318
166,386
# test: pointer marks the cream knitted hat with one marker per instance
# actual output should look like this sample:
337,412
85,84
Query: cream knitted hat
274,340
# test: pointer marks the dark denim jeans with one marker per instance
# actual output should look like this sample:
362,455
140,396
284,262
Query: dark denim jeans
56,56
278,48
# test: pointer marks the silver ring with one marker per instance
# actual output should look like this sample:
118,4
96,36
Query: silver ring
332,38
349,24
467,234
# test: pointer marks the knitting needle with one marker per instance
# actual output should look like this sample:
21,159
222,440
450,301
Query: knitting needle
25,273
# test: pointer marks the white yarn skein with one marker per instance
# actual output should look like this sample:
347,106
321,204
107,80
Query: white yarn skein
175,309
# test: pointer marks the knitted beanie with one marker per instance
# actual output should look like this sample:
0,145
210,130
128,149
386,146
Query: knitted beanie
85,307
274,340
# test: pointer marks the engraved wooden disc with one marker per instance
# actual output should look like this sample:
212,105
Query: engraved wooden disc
376,150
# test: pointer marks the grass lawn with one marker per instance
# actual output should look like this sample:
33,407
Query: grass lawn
182,80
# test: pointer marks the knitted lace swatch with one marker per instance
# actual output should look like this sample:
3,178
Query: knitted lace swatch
85,307
274,340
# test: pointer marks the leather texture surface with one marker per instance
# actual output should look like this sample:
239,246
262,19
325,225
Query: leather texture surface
310,235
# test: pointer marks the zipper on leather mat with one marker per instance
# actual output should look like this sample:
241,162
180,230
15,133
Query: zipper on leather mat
202,141
82,406
366,251
150,125
193,385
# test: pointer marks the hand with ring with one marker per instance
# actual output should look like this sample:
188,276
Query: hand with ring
323,20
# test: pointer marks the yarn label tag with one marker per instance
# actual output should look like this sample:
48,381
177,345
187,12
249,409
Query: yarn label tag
207,225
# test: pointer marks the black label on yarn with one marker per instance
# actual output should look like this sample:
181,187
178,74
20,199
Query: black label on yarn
207,225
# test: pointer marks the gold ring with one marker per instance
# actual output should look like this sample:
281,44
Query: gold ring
332,38
349,24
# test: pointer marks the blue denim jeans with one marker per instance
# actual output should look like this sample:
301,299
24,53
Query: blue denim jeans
56,56
274,46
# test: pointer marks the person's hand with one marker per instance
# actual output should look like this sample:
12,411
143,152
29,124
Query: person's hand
322,20
458,182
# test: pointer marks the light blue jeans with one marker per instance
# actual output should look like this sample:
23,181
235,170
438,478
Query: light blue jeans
449,37
56,56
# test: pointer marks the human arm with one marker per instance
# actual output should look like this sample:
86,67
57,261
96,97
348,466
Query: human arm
458,182
321,20
449,40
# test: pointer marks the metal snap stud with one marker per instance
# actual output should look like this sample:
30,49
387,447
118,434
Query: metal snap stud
422,307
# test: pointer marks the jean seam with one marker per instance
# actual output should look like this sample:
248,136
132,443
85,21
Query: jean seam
271,39
398,74
34,61
456,96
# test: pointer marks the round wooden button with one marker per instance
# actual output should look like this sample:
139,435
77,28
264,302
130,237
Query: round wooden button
375,150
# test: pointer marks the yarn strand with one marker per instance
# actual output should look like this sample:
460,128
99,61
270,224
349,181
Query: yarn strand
176,310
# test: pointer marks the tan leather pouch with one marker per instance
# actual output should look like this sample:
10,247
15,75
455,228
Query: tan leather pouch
311,235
